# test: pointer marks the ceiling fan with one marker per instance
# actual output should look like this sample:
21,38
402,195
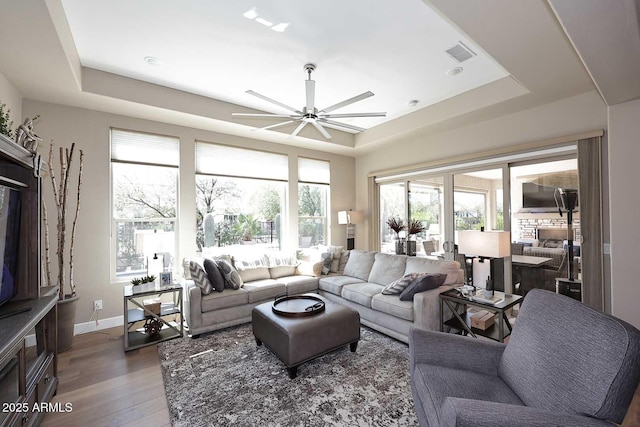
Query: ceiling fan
310,114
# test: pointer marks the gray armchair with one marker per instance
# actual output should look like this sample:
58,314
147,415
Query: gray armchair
565,364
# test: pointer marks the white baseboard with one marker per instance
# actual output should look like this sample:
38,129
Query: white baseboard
85,328
91,326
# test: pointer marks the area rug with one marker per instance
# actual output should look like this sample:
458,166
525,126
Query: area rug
225,379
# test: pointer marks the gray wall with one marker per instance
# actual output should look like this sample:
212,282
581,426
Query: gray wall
90,131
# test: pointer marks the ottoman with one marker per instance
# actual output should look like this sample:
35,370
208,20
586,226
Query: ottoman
297,340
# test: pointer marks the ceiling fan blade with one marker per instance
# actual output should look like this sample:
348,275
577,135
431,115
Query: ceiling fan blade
344,103
273,101
275,126
298,129
342,116
265,115
338,125
322,130
310,86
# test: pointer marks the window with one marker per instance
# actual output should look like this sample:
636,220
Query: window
314,177
144,171
392,204
240,196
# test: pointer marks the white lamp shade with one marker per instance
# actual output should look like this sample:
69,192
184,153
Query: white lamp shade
490,244
343,218
350,217
356,217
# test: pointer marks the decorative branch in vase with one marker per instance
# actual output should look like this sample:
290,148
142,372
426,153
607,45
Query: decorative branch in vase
66,312
61,198
414,227
397,225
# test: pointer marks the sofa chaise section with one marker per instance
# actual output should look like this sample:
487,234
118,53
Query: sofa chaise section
368,273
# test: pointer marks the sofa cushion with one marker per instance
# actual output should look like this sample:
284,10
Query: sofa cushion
359,264
392,305
225,299
423,282
361,293
213,273
282,271
299,284
424,265
261,290
334,284
254,274
199,276
387,268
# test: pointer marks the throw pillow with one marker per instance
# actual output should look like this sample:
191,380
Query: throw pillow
421,284
344,257
231,276
214,274
200,278
359,264
327,258
397,286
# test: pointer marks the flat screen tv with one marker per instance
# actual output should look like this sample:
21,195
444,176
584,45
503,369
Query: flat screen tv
10,203
538,198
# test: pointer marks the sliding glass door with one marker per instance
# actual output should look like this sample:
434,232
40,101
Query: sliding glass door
426,205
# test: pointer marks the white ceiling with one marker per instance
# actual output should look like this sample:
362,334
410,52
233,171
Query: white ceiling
210,48
90,54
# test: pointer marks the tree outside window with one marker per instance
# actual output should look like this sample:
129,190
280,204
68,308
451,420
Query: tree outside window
233,211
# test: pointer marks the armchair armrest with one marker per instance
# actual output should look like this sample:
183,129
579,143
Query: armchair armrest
465,412
454,351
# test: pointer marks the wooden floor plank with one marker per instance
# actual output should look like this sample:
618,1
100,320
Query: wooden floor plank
108,387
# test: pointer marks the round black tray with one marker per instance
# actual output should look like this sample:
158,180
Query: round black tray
298,306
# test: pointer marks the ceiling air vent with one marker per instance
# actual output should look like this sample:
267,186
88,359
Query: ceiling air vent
460,52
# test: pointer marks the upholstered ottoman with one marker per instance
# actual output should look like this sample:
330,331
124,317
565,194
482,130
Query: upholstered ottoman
297,340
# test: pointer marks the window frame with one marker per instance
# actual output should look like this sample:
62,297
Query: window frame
113,220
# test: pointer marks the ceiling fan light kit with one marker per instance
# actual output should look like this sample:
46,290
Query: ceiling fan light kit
309,114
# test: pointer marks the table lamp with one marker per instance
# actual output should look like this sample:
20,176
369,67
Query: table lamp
350,218
490,245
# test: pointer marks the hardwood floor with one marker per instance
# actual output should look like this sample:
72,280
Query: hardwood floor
108,387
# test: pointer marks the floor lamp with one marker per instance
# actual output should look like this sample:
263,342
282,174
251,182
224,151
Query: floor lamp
350,219
569,200
566,197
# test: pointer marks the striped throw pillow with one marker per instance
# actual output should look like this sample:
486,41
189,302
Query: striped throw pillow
200,278
397,286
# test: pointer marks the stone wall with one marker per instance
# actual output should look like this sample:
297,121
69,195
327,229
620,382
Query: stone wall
526,228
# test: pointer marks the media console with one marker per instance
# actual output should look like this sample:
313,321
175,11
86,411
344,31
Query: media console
28,318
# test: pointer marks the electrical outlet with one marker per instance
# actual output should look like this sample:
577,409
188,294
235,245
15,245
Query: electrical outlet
97,305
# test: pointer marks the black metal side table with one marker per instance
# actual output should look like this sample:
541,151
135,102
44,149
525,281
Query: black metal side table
460,320
135,311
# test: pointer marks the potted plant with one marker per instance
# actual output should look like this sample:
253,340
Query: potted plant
397,225
414,227
136,281
67,296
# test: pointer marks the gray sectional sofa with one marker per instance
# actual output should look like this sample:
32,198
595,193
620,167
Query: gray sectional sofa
358,286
